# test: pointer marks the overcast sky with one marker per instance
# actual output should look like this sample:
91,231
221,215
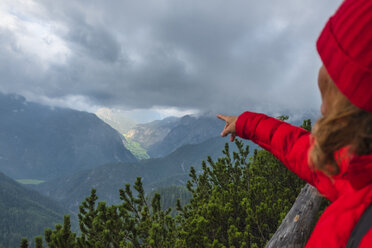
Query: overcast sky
164,57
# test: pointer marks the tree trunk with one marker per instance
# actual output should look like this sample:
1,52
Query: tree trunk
298,224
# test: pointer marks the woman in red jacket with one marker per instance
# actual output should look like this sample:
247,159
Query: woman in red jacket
336,157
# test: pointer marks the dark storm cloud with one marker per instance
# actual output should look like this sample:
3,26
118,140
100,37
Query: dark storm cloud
206,55
95,42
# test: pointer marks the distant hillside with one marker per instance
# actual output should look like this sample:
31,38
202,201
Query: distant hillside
24,213
39,142
160,138
151,133
189,130
161,172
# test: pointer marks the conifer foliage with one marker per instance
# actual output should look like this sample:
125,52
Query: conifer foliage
237,201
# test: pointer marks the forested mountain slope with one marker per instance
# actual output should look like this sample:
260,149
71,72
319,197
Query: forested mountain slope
24,212
170,170
39,142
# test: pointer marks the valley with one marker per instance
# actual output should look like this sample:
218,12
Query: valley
58,155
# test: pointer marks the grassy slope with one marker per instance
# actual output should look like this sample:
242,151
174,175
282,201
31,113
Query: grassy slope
30,181
135,148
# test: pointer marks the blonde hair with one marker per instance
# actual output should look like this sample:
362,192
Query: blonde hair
344,125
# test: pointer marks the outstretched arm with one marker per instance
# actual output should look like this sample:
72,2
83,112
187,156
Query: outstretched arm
288,143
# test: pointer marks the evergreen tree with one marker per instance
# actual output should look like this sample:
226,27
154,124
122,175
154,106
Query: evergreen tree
24,243
61,236
38,242
306,125
132,224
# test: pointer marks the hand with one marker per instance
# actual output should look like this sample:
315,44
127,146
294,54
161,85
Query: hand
229,127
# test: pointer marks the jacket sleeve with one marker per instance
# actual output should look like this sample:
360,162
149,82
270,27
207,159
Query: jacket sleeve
288,143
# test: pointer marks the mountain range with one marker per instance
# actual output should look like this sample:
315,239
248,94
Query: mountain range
158,172
40,142
160,138
74,151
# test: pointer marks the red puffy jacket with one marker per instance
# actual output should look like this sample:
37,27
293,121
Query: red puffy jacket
350,191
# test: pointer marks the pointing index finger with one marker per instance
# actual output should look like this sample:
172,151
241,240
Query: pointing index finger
222,117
